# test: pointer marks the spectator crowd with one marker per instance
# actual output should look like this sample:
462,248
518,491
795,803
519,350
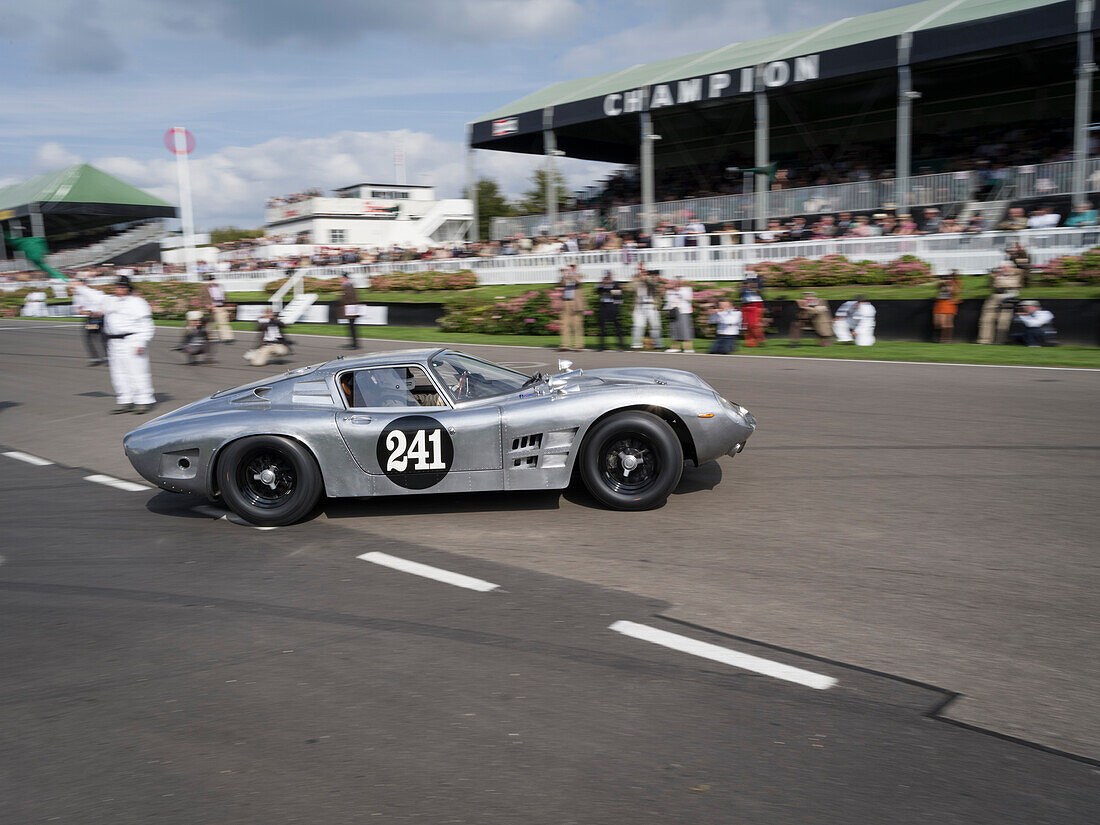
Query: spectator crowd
993,152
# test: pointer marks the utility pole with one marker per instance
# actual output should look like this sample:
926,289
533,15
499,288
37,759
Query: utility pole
550,149
473,234
645,164
760,190
903,142
1083,110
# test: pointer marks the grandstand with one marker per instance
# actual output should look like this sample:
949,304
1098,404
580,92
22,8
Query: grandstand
987,102
86,217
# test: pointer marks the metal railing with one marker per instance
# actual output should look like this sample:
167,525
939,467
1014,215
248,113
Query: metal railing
714,260
1019,182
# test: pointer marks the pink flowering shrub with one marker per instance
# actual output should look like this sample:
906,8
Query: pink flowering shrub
1083,268
538,312
532,312
318,285
836,270
423,281
168,299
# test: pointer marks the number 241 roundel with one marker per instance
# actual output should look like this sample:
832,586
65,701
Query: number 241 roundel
415,452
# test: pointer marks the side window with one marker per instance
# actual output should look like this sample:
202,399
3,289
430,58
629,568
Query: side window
390,387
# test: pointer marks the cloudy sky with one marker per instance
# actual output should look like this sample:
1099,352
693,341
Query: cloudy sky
287,94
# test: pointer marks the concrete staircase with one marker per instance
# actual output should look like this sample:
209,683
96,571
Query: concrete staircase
992,211
110,248
297,307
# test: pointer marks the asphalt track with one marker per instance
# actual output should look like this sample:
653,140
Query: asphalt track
922,534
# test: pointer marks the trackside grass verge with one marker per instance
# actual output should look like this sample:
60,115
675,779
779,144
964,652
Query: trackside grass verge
957,353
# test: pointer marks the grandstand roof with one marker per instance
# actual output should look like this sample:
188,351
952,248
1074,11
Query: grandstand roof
80,189
940,28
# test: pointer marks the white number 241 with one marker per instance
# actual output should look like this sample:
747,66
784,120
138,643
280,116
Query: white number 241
425,451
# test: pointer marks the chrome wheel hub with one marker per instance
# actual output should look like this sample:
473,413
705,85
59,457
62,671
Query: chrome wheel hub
628,462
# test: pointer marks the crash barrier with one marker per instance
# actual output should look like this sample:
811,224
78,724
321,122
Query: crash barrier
1037,180
328,312
1076,320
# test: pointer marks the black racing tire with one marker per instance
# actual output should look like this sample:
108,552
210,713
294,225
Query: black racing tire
650,443
286,495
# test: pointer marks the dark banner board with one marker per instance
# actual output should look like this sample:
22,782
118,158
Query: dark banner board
1076,319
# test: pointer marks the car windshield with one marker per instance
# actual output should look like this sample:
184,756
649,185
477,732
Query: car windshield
470,379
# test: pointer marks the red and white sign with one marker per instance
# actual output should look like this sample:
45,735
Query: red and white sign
179,141
505,126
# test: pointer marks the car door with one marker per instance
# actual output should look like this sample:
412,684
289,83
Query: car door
403,431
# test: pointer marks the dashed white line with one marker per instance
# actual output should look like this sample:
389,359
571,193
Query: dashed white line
724,655
117,483
27,457
45,326
439,575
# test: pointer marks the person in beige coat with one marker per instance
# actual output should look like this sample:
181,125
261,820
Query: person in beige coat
572,310
216,303
996,315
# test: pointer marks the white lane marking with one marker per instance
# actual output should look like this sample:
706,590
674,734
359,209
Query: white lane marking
724,655
418,569
27,457
218,514
117,483
71,325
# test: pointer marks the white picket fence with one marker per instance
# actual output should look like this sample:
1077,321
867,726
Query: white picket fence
711,260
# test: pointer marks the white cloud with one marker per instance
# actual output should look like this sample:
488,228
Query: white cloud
51,156
231,185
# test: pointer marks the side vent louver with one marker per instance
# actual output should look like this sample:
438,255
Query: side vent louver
529,447
525,442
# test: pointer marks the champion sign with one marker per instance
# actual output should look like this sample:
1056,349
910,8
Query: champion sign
772,75
506,126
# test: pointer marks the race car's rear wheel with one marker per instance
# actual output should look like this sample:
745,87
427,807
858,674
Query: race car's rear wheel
632,461
269,480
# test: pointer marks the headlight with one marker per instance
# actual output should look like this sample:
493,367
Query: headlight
737,408
741,411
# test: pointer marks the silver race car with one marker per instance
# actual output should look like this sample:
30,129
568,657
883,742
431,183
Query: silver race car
437,421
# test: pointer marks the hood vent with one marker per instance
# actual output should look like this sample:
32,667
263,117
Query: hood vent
257,396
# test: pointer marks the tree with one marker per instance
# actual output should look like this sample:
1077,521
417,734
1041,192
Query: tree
225,234
534,199
491,203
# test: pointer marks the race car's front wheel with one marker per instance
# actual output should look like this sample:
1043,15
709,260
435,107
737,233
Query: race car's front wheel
632,461
269,480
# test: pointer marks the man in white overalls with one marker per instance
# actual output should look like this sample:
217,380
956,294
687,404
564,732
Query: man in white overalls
863,323
842,322
129,328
